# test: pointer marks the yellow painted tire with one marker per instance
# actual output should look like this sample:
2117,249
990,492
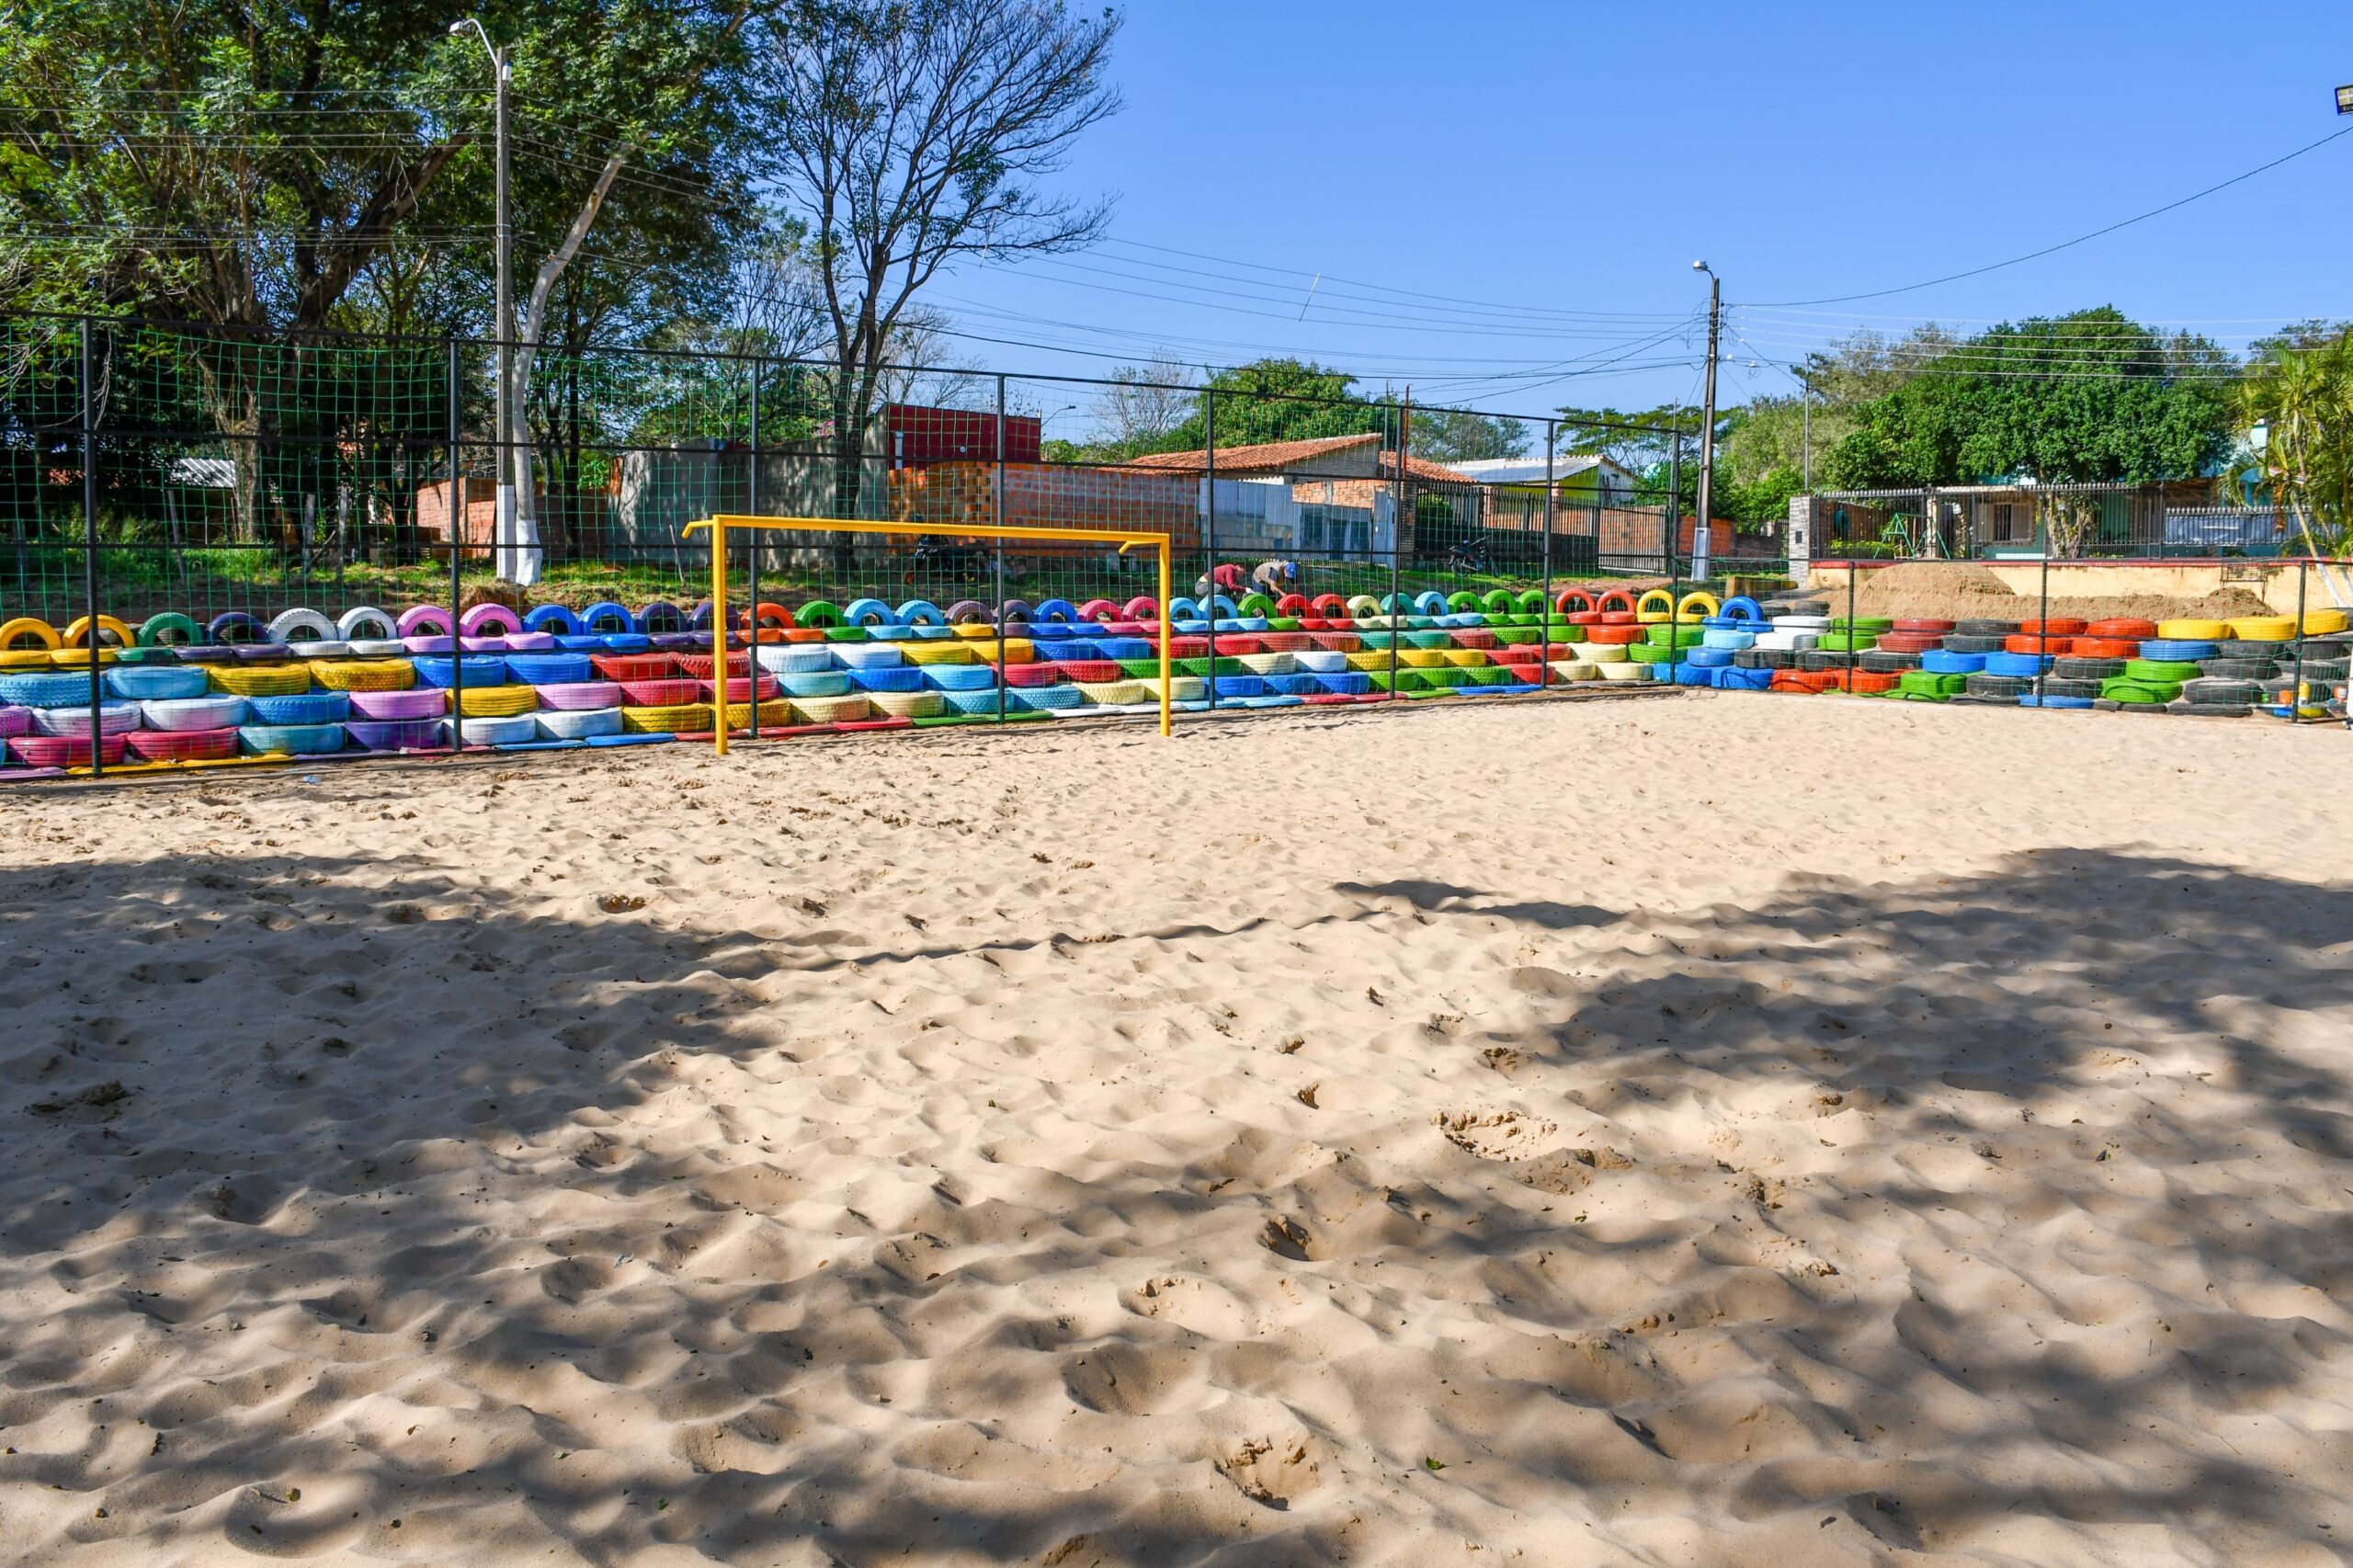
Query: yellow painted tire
1619,671
25,659
260,680
108,627
496,701
2193,630
2317,622
1655,606
1701,602
1368,661
13,633
79,658
824,709
1465,658
775,715
1012,651
684,719
2263,628
937,653
907,704
1115,693
364,675
1421,659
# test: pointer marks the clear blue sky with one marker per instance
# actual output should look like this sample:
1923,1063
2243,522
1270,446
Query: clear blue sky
1557,159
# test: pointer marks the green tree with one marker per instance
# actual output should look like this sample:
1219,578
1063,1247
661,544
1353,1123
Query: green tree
1278,399
1447,435
913,136
2299,388
2086,398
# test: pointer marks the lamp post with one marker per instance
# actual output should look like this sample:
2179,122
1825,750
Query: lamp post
2344,100
1707,424
503,456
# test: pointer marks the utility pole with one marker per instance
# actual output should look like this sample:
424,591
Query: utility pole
1708,413
501,418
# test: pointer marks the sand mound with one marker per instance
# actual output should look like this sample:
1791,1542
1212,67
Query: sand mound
1955,590
1503,1133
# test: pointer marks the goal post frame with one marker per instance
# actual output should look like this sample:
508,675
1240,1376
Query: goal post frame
718,527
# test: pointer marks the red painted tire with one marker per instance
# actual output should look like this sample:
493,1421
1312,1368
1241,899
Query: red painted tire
1142,607
1098,612
1043,673
660,693
1939,627
1615,636
635,666
2034,643
1622,597
1331,606
1574,602
1228,646
1620,618
2063,628
1292,605
2123,629
2107,647
1910,642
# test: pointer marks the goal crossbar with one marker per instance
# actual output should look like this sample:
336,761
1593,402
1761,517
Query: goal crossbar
721,525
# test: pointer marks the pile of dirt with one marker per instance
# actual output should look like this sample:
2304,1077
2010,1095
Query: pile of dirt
1956,590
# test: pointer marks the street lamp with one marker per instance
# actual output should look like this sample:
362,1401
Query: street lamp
504,529
1701,529
2344,100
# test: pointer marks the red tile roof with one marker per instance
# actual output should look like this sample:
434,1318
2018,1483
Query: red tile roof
1283,456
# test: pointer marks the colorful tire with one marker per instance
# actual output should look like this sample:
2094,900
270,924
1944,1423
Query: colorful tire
1654,606
919,612
1257,606
304,625
424,620
1294,605
65,751
659,616
142,683
1183,608
2193,630
396,735
113,719
396,707
577,724
579,695
302,708
182,746
293,740
365,674
606,617
367,623
672,693
555,620
489,621
1142,607
169,629
477,669
1055,612
260,680
1364,606
112,633
494,701
549,669
1101,612
195,713
498,729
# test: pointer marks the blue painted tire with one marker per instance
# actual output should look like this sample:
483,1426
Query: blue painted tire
1184,608
920,612
46,690
394,734
869,613
886,678
480,670
795,658
960,677
1743,606
301,711
606,617
143,683
555,619
1059,612
815,683
298,740
547,669
235,626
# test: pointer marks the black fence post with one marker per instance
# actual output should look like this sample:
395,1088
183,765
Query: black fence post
1544,610
1208,523
2296,691
752,592
2043,626
455,514
1396,567
996,521
1850,622
90,558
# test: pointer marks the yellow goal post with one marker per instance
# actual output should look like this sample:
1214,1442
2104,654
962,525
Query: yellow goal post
719,527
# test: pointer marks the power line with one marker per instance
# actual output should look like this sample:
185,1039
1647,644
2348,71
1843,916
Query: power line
2079,239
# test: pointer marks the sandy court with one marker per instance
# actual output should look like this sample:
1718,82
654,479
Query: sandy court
1713,1128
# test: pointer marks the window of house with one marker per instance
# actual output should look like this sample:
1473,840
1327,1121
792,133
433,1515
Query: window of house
2005,527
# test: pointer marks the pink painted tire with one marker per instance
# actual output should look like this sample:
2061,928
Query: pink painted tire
1098,612
417,702
485,620
424,620
581,696
1142,607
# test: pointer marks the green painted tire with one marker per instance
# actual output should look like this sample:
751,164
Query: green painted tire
818,612
158,630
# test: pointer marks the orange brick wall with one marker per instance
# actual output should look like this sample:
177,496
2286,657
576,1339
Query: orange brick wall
1049,496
